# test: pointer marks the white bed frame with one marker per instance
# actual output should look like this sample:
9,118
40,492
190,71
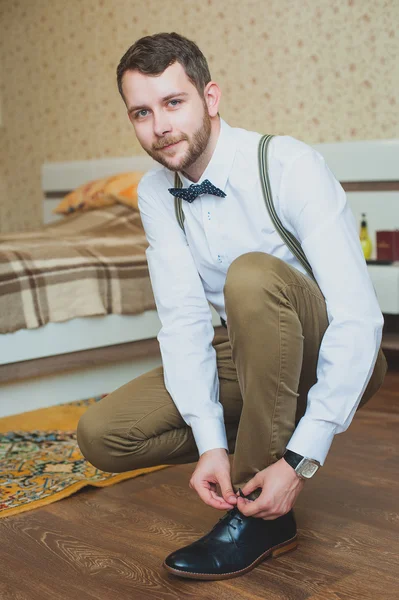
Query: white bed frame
39,376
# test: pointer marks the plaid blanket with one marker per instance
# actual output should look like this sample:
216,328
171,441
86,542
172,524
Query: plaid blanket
86,264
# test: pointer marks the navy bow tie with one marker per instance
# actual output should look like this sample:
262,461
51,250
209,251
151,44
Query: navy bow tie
195,190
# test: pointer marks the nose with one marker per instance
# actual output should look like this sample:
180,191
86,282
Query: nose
161,124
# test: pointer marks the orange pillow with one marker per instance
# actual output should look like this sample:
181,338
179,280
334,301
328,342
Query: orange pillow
86,197
123,188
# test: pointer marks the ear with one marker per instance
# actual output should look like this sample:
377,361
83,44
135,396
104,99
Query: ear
212,96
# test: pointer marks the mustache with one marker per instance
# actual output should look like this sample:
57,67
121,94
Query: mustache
168,143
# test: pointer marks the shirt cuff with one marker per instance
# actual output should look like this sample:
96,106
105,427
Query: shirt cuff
312,439
209,434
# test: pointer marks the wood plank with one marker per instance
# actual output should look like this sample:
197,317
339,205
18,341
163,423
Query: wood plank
78,360
370,186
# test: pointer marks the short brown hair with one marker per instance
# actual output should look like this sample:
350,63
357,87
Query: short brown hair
152,54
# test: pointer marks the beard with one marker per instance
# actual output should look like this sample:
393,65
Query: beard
196,146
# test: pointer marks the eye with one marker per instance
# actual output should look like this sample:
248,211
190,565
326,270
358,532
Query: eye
137,114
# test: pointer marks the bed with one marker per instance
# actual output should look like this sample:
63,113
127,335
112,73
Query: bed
83,356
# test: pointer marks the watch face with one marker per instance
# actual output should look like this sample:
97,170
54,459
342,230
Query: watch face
308,469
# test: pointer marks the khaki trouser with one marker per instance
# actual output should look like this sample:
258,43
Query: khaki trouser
266,364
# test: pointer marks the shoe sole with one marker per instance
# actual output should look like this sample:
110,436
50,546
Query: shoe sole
274,552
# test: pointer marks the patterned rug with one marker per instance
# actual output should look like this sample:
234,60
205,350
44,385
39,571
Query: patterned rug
40,461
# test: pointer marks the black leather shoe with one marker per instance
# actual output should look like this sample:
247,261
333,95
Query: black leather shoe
234,546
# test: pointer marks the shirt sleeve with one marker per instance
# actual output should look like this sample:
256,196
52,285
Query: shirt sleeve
186,335
314,203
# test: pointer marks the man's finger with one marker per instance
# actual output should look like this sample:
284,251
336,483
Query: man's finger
251,485
227,489
249,508
206,496
222,502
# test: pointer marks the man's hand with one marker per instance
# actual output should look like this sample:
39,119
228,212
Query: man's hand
280,488
213,468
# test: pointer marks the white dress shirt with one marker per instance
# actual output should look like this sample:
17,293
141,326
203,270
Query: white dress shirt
188,271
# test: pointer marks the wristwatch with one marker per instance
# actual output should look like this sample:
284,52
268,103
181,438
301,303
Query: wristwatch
305,468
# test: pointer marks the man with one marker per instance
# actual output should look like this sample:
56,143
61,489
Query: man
298,357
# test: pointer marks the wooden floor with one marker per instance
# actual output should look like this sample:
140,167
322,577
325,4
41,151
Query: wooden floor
109,543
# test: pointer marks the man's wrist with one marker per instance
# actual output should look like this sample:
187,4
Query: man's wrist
215,450
291,470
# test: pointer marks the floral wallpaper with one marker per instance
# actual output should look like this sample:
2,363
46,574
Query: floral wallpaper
319,70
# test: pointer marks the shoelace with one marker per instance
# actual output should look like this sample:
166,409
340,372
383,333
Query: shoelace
231,516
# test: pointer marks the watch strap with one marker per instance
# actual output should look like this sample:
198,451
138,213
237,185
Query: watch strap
292,458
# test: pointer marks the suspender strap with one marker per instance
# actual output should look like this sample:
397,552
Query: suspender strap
286,235
178,206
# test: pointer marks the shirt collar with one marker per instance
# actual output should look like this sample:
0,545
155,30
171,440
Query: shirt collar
220,165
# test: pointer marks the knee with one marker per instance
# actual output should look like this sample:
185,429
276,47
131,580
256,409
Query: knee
252,274
90,435
103,447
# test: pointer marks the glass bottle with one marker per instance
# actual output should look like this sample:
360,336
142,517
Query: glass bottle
365,238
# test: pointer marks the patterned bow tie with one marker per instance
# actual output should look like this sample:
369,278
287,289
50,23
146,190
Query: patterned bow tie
195,190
